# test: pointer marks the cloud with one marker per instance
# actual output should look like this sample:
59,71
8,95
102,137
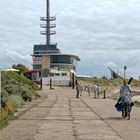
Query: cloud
101,32
13,57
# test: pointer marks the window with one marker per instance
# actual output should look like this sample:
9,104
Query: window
61,59
51,74
38,58
57,74
64,74
37,67
63,66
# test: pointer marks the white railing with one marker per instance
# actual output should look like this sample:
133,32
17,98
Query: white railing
56,82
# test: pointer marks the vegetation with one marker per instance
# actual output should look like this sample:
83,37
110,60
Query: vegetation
112,86
16,90
104,82
22,68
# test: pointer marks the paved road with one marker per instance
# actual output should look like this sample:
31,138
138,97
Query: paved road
63,117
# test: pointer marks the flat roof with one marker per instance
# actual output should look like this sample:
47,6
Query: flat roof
49,54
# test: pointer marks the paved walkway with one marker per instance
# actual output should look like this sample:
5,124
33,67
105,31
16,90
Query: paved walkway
63,117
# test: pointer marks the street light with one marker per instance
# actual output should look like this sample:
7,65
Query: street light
125,68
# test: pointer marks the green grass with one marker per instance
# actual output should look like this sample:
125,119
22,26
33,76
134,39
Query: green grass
3,123
16,90
19,79
107,82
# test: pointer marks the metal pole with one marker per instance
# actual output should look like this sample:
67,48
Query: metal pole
0,88
125,67
124,74
50,83
104,95
73,80
48,21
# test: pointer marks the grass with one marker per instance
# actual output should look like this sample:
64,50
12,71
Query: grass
19,79
137,103
16,90
111,85
3,123
115,83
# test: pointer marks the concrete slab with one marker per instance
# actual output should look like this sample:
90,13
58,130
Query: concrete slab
63,117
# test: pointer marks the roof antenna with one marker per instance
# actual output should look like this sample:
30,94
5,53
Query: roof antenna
48,32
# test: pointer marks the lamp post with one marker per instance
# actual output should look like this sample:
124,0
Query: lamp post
125,68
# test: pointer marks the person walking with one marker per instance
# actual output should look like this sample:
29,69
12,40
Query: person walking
77,89
97,90
126,100
88,90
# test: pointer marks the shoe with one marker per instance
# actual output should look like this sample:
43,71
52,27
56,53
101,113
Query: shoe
128,116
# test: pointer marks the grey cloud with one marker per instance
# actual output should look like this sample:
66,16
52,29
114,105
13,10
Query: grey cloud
99,31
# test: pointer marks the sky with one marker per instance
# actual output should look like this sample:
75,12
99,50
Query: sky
101,32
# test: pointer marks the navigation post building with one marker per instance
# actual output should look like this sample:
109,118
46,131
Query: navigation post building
48,59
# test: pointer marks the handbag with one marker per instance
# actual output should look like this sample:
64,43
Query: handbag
119,106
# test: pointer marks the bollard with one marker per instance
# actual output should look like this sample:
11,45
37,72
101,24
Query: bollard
104,94
73,81
50,83
41,83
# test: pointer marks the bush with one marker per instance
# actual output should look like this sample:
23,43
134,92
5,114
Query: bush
11,88
10,107
18,88
16,79
17,101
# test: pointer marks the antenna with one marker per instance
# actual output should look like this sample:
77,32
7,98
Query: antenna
48,32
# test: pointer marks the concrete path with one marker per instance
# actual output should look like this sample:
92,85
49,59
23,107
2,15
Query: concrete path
63,117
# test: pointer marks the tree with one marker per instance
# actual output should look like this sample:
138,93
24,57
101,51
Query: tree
22,68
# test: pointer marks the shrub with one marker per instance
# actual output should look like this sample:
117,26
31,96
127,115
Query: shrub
17,101
10,107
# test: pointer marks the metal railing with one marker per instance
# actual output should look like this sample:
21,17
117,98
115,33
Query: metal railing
45,33
45,19
45,26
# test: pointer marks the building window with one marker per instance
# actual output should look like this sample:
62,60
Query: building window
51,74
38,58
63,66
37,67
64,74
57,74
62,59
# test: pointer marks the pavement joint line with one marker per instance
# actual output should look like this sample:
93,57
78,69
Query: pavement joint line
49,109
73,124
62,120
101,118
43,106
